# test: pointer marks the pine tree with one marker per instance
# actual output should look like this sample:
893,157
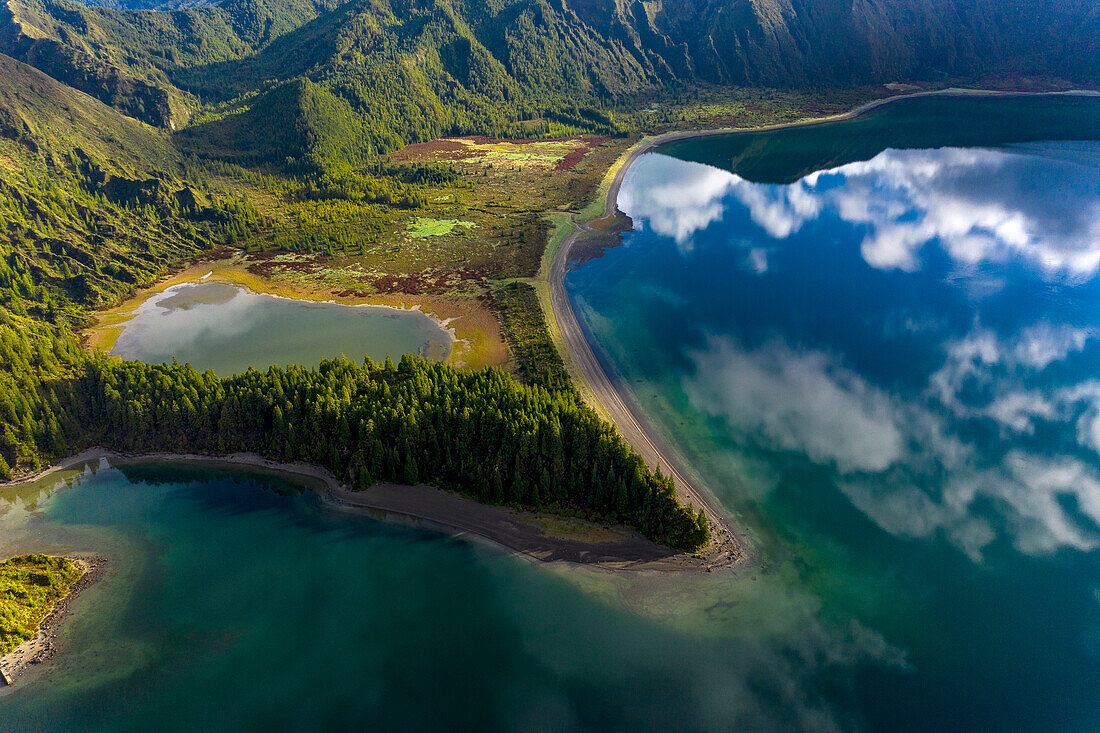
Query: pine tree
541,489
411,475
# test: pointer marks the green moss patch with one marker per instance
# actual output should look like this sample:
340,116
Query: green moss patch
424,227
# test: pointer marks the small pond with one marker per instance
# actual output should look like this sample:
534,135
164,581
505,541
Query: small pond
227,328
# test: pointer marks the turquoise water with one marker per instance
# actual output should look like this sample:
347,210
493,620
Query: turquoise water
881,353
223,327
235,602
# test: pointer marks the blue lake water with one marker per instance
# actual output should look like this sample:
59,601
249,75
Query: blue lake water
884,368
882,353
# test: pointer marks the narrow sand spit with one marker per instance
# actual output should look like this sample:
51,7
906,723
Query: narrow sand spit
726,550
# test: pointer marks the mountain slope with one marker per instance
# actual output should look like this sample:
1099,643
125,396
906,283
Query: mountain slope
40,112
91,202
413,70
599,49
125,58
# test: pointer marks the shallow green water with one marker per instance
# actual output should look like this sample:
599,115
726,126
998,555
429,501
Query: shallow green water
232,606
228,329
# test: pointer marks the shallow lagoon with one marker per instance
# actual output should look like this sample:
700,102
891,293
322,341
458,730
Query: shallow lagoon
224,327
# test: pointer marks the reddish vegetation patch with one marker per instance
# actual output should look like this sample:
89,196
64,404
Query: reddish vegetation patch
816,110
482,140
265,265
448,149
570,160
221,252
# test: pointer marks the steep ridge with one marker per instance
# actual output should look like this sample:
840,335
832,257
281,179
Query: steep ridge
91,201
126,59
587,50
33,35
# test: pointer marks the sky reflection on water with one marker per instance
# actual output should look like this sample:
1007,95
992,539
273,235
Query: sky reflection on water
888,370
978,205
224,327
1008,420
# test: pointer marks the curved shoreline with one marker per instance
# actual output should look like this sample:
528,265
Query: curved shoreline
726,549
729,548
537,536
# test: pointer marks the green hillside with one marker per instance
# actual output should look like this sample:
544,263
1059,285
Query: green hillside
36,110
412,70
93,201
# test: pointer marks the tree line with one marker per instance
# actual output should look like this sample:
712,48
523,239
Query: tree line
480,433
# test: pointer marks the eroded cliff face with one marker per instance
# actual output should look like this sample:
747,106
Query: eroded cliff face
796,42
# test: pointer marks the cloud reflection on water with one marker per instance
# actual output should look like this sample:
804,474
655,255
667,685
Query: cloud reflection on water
901,461
799,401
970,454
688,198
220,326
158,330
980,205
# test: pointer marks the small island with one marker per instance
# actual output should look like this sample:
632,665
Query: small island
33,593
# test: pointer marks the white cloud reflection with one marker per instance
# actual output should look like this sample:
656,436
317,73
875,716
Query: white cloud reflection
918,466
800,401
979,205
181,317
900,461
678,198
982,359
